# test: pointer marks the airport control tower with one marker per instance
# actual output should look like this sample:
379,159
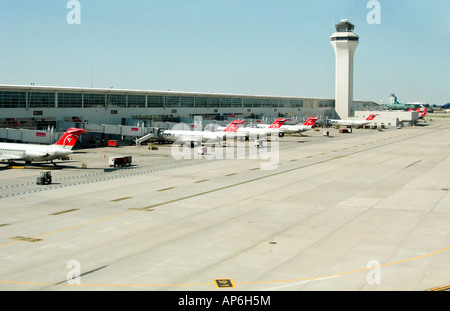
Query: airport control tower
344,42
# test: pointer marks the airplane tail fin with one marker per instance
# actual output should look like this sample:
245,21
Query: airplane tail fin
371,117
69,139
277,123
234,126
311,121
424,113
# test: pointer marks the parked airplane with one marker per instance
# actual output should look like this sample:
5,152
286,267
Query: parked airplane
295,129
28,152
197,137
422,113
274,128
352,123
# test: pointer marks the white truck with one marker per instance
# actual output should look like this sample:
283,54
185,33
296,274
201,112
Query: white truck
120,161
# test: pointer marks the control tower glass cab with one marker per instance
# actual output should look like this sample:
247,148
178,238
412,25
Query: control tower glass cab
344,42
345,26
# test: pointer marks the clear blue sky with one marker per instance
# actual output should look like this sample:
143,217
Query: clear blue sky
264,47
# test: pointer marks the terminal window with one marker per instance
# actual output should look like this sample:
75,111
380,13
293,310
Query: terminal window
117,100
247,102
326,103
155,101
285,103
70,100
225,102
257,102
187,101
13,100
173,101
214,102
236,102
297,103
94,100
41,100
201,102
136,101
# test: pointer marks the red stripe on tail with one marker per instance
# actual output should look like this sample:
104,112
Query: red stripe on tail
277,123
311,121
234,126
70,138
371,117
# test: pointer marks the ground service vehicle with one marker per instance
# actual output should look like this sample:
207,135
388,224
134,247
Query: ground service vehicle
120,161
45,178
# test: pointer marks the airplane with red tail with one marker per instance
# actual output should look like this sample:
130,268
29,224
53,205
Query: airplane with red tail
31,152
297,128
352,123
422,113
272,129
195,138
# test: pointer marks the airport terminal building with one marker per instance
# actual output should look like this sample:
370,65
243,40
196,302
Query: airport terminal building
37,107
39,114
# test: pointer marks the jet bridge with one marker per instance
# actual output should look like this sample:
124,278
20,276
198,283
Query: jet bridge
139,141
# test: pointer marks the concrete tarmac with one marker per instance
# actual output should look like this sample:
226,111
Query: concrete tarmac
364,211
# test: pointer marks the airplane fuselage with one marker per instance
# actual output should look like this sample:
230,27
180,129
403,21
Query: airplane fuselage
253,131
295,128
195,136
350,122
25,152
